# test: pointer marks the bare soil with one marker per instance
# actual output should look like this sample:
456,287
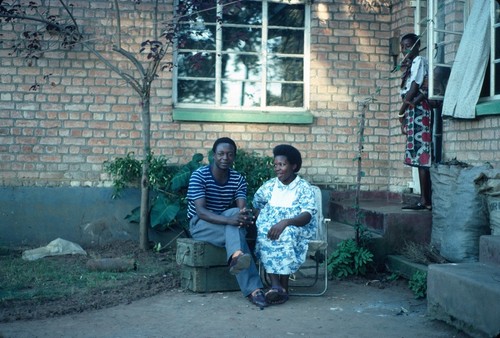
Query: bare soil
155,273
149,302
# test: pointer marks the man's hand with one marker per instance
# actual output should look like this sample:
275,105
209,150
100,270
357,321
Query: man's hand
246,218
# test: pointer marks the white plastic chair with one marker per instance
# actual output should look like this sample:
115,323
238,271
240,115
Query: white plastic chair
317,256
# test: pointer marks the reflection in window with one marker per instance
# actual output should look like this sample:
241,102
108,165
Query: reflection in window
245,54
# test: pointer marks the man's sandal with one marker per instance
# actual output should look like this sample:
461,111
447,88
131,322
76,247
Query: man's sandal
239,263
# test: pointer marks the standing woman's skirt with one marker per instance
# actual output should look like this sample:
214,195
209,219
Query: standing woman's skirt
419,137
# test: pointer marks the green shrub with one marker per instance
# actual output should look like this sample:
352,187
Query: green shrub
169,183
418,284
349,259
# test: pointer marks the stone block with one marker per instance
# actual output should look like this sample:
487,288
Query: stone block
466,296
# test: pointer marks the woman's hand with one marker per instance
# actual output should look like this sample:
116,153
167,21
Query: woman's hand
276,230
404,126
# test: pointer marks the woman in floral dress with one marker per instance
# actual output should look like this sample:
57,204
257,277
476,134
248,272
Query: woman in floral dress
415,117
286,221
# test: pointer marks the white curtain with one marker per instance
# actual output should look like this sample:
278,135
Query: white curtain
469,67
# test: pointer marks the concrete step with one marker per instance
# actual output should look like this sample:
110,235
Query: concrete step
465,295
403,266
382,214
489,250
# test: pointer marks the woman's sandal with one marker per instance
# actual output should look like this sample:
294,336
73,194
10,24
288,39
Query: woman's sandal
276,295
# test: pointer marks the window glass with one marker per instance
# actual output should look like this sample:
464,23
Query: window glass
241,67
285,69
197,37
446,24
192,91
447,19
491,86
285,41
192,64
241,39
282,94
241,94
227,52
243,12
285,15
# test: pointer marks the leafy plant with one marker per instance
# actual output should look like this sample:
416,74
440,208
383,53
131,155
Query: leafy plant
349,259
124,171
169,184
418,284
256,170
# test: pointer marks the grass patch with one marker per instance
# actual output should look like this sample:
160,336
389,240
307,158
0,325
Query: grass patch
66,279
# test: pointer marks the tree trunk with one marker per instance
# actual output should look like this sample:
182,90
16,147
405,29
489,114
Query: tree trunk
146,136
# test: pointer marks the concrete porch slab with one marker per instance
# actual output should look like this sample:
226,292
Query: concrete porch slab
466,296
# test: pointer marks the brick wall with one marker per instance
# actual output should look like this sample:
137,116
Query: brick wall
85,114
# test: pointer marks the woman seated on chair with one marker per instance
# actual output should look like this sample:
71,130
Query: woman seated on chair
285,208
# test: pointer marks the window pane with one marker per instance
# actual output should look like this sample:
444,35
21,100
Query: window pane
243,12
241,39
282,14
287,95
241,67
197,11
196,36
241,94
196,65
222,52
285,41
497,79
195,91
285,69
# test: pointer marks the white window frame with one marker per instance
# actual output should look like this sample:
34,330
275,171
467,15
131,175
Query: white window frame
242,113
432,40
494,59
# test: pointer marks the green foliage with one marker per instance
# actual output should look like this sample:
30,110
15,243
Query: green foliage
418,284
349,259
256,170
168,207
124,171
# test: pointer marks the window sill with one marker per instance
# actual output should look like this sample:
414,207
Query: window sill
488,108
212,115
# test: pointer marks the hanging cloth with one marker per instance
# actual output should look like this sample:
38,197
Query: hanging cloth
469,67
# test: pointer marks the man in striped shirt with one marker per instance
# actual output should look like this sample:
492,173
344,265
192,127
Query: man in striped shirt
217,214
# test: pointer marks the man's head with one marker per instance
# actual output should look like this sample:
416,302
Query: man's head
224,140
224,151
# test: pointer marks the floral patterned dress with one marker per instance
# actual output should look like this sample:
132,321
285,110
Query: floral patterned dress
277,201
418,151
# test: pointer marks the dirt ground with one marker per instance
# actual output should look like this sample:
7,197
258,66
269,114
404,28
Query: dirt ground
156,306
142,285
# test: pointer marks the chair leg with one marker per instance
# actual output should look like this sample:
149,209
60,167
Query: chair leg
318,261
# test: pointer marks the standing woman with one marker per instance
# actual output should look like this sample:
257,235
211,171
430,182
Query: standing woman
286,209
415,117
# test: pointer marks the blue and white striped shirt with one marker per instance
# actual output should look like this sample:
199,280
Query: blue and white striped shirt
218,197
